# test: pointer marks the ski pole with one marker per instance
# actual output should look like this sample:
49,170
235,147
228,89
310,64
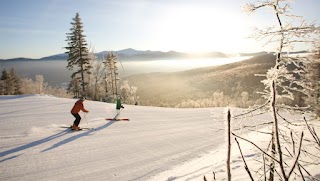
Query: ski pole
85,117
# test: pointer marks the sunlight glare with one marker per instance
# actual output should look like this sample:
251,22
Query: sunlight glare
199,29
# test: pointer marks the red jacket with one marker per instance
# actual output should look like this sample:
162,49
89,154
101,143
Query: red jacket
77,107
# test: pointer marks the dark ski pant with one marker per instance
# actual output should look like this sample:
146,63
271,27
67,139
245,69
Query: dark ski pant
78,118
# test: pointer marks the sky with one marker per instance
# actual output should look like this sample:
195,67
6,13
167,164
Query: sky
37,28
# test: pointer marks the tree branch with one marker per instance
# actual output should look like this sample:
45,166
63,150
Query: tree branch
297,157
244,161
313,132
256,147
263,105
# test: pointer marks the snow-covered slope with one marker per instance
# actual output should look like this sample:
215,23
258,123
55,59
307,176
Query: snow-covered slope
156,144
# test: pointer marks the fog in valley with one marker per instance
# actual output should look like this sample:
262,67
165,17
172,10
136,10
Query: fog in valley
56,74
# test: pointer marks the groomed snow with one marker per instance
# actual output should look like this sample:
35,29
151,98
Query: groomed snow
156,144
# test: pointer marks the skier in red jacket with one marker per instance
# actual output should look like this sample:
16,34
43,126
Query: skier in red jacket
75,112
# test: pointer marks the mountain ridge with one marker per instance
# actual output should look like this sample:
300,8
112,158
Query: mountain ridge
133,54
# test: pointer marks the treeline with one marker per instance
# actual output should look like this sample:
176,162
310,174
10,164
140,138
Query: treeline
12,84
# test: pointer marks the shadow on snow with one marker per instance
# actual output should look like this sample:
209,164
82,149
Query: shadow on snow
30,145
75,137
47,139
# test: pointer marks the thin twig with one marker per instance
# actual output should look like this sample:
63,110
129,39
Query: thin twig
262,132
263,105
311,177
256,147
287,120
264,167
313,132
244,161
293,143
299,168
267,123
297,156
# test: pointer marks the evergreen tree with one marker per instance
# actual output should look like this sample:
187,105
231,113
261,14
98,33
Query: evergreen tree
15,82
74,87
4,82
78,52
10,83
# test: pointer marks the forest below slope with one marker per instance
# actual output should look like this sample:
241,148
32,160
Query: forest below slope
232,84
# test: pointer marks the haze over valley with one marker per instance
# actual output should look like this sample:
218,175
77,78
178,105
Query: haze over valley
165,80
132,61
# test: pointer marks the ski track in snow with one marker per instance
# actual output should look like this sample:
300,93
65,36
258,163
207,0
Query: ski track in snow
156,144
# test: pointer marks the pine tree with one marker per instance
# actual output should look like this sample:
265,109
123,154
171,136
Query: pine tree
16,82
4,82
10,83
78,52
74,87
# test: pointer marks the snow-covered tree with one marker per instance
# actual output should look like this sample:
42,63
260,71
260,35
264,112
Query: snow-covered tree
78,52
96,77
111,76
128,93
40,82
28,86
283,82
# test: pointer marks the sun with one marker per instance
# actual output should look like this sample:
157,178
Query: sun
199,29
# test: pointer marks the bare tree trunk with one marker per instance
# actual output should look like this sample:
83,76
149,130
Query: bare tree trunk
82,78
229,146
273,152
276,129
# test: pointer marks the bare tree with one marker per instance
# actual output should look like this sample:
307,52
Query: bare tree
40,82
283,81
112,75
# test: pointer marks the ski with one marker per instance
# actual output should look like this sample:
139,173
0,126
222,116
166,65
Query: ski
77,130
117,119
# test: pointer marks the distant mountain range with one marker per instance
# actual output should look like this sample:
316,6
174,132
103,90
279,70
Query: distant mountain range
132,54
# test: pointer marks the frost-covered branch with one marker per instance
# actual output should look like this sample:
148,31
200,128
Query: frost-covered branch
262,124
284,119
313,132
297,156
244,161
256,147
250,111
